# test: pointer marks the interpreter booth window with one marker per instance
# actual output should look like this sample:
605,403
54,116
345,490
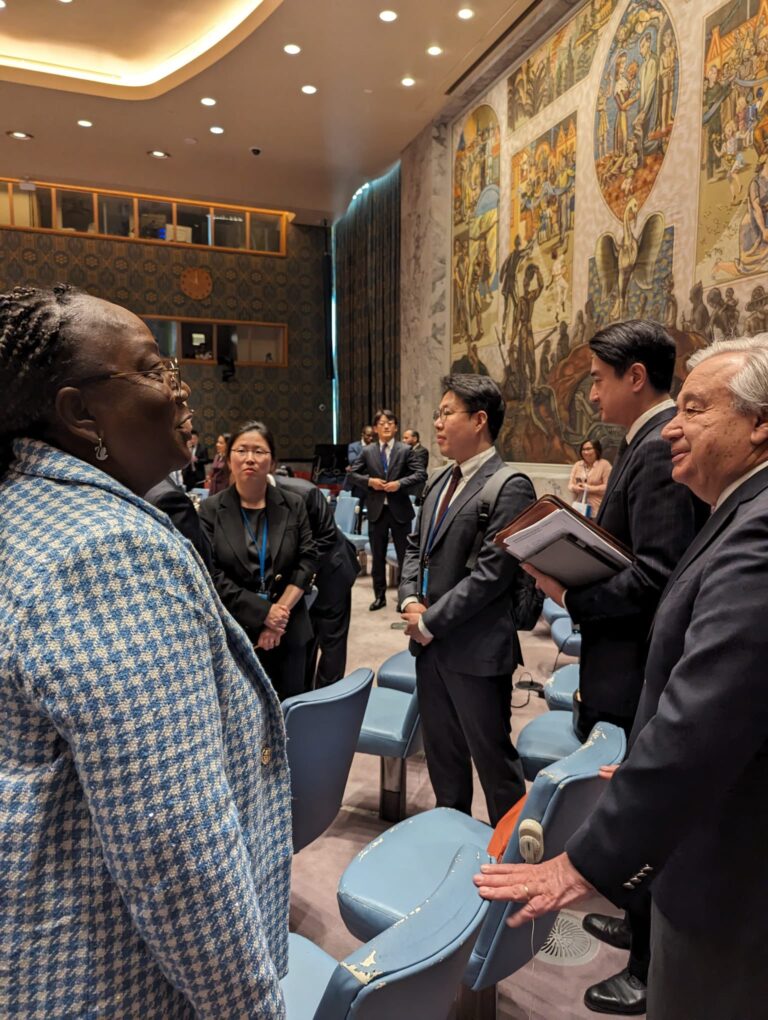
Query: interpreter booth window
116,216
256,344
165,332
197,341
32,206
155,219
193,225
74,211
228,228
265,232
5,204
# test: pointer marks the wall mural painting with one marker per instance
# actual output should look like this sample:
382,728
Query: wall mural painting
732,241
475,269
557,65
636,105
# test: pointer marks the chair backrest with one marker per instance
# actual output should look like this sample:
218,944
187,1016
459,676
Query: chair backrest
563,795
413,968
322,728
344,513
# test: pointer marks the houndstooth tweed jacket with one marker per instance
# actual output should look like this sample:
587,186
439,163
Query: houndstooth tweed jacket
145,833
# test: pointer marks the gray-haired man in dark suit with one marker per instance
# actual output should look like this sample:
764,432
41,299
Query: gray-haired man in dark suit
460,619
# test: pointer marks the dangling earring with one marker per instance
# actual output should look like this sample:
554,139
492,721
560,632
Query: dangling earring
101,450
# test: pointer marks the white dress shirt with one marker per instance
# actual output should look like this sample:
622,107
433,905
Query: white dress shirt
729,490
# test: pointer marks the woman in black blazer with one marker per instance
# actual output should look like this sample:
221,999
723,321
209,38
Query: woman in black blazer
264,557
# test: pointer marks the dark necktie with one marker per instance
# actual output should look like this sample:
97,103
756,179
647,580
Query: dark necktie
384,463
445,502
622,450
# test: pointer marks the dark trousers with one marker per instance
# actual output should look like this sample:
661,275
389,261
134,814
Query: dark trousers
330,621
716,974
285,666
378,532
638,918
465,718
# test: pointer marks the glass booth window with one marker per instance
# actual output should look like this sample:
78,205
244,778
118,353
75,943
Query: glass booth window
228,228
197,341
165,331
74,211
32,206
155,219
251,343
116,216
193,225
265,232
5,204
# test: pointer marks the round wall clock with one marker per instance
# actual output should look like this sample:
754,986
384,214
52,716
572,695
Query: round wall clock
196,283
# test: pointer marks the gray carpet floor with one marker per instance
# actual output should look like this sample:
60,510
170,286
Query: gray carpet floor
552,986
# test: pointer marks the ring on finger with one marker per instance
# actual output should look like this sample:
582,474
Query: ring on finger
527,894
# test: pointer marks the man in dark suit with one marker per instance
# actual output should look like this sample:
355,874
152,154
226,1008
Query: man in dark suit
413,439
353,453
656,519
460,619
686,814
194,472
171,498
338,566
390,473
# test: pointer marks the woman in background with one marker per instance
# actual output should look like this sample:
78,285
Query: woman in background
145,845
589,475
219,479
264,557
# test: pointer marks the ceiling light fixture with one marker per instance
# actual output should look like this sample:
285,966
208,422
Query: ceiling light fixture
408,82
65,1
208,101
2,4
434,51
308,90
85,123
292,49
20,136
159,154
387,16
216,130
466,13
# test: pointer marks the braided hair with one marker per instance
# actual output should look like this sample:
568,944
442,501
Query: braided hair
37,352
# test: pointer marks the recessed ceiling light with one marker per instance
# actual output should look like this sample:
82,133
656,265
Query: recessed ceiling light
292,49
85,123
387,15
215,130
190,141
434,51
208,101
466,13
65,1
408,82
308,90
159,154
20,136
2,4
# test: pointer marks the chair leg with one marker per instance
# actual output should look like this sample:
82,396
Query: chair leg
393,789
479,1005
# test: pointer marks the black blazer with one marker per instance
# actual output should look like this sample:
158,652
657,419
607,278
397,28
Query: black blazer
195,476
338,565
470,613
688,810
657,520
173,500
291,547
421,456
402,467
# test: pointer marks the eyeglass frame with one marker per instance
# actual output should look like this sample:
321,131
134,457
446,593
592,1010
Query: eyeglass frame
170,368
441,413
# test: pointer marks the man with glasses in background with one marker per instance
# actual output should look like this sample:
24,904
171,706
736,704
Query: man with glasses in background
459,617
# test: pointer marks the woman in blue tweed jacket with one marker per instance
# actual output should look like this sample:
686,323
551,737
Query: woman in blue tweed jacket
145,836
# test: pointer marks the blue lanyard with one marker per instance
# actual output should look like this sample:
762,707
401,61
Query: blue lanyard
262,549
434,527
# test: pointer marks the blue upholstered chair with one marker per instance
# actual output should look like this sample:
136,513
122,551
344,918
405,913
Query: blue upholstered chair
544,740
322,728
396,871
412,969
392,730
560,688
551,611
567,640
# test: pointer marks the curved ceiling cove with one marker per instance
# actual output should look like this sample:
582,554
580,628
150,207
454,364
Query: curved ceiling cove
137,49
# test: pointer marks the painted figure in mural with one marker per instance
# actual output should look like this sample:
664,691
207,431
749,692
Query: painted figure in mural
558,278
522,330
479,284
631,257
699,317
545,362
722,323
563,341
579,330
508,279
602,122
715,91
753,232
667,62
460,281
670,304
470,362
624,100
757,306
646,118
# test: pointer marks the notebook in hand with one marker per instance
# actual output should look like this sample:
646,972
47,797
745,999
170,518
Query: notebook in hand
559,541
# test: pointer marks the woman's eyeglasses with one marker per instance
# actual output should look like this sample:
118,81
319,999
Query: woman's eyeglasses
166,371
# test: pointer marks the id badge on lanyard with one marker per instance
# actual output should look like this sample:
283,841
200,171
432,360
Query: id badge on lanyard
262,593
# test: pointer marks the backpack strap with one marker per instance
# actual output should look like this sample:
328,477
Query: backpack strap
486,505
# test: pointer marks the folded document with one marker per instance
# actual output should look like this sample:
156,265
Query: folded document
559,541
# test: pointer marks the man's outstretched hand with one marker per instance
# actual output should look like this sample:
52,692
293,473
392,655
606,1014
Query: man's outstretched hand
541,887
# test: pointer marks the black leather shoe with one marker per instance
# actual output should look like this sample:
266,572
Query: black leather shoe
614,931
378,603
623,994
